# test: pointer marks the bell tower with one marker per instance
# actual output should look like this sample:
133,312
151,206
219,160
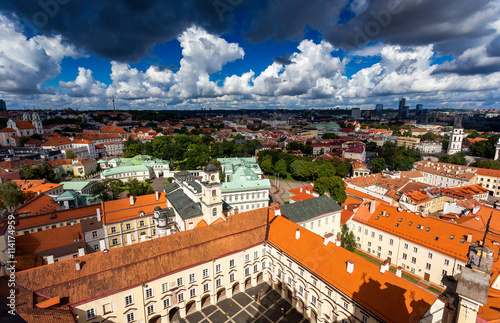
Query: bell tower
211,200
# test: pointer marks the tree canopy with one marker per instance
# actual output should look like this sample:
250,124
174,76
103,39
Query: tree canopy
108,189
11,196
333,185
347,238
137,188
457,159
40,171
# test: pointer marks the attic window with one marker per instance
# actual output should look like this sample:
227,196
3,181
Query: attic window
452,236
436,238
462,240
410,223
376,218
400,219
428,228
388,214
397,224
380,213
419,226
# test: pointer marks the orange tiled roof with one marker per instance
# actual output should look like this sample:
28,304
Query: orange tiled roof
84,161
57,162
397,300
7,130
24,125
112,129
161,257
81,141
49,239
40,204
57,141
58,216
121,210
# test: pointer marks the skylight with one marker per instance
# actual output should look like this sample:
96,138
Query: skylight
410,223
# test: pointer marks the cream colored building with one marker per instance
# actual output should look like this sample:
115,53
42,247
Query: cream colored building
408,142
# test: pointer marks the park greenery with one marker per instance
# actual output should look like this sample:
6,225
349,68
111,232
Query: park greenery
112,188
39,171
11,196
457,159
347,239
393,157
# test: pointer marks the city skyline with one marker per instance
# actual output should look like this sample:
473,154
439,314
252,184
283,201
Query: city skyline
232,54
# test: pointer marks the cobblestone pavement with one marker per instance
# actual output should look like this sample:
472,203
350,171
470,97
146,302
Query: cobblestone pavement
259,304
283,194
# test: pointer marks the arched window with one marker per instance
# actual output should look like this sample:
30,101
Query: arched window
214,211
214,193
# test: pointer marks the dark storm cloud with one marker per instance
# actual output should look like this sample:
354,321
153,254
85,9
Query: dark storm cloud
285,60
122,30
493,48
467,67
391,21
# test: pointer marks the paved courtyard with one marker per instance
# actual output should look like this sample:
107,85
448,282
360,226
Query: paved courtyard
283,194
266,307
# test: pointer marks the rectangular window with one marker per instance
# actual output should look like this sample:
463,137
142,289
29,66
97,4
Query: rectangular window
247,257
301,290
114,242
231,263
406,246
129,300
206,287
404,256
218,282
255,268
192,278
90,313
180,297
390,253
247,271
391,242
314,282
373,234
364,318
429,255
164,288
301,273
446,262
415,249
459,267
166,302
444,272
379,237
149,292
94,234
428,266
205,273
290,264
151,309
346,305
113,229
289,280
313,299
413,260
328,293
180,281
366,232
130,317
231,278
128,226
192,292
218,268
255,254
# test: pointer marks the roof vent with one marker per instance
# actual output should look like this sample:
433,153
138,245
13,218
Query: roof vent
384,266
297,234
77,265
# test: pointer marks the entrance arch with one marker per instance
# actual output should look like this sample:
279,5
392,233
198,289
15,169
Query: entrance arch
236,288
205,301
314,317
221,294
155,319
190,307
248,283
260,278
173,315
300,306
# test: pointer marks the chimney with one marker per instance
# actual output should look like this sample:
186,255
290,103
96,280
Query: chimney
102,244
157,195
131,200
297,234
372,206
50,259
327,238
81,251
327,193
99,215
338,242
350,266
277,212
399,271
39,192
384,266
469,238
77,265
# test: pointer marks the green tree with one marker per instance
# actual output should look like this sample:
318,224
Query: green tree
23,140
39,171
70,154
487,163
429,136
378,165
137,188
333,185
281,168
108,189
347,239
267,164
330,135
11,196
457,159
297,169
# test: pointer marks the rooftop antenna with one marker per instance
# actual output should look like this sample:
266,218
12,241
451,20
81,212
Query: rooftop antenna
484,237
114,107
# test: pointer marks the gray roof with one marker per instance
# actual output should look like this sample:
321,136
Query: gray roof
210,168
170,188
195,185
66,250
305,210
91,224
184,205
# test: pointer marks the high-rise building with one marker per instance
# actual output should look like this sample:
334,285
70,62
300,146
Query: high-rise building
3,106
405,112
402,103
356,113
379,110
418,110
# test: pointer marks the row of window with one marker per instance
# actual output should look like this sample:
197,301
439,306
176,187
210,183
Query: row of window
319,222
246,197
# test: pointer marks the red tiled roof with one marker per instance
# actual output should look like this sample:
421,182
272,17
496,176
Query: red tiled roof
55,217
57,141
121,210
24,125
49,239
40,204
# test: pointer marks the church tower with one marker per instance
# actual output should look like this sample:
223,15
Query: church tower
497,150
37,123
211,199
456,138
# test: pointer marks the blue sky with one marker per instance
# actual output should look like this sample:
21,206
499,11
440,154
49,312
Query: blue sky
185,55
